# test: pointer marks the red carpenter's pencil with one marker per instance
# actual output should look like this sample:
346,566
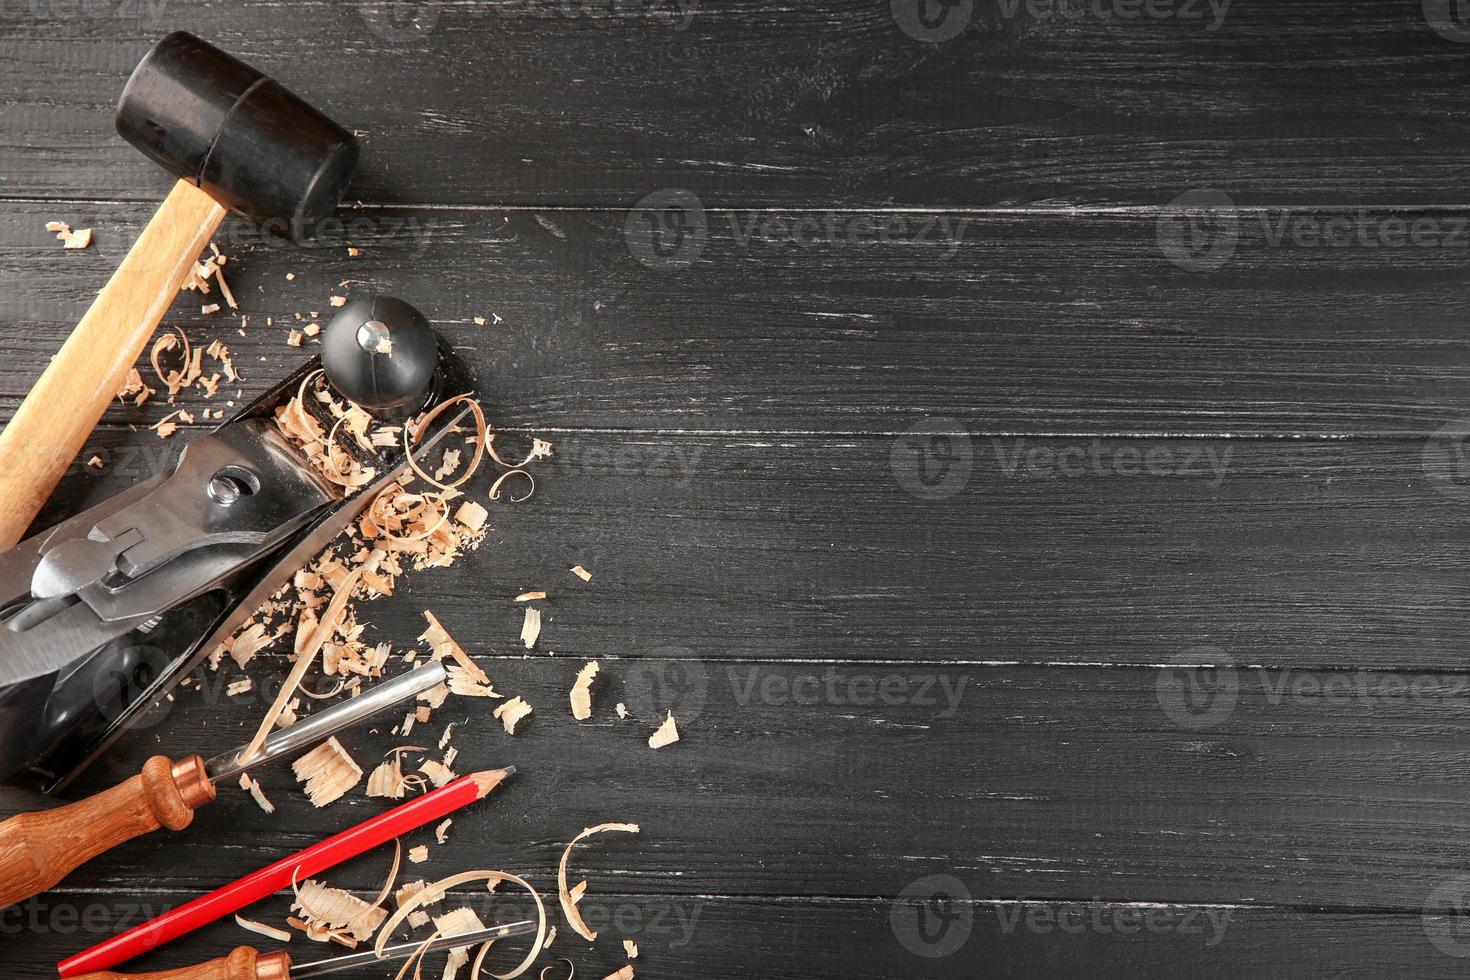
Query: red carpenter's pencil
269,880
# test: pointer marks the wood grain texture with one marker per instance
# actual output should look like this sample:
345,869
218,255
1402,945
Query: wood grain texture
243,963
825,103
1028,325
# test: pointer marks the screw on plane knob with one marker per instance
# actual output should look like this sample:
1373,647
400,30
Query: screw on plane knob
382,354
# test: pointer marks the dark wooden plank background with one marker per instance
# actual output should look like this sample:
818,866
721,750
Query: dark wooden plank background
1037,472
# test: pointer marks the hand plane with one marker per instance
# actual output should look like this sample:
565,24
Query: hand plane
101,615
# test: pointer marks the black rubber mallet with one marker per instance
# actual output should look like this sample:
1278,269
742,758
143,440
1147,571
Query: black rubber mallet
238,141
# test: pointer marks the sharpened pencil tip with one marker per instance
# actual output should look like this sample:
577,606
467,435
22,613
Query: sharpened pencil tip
491,778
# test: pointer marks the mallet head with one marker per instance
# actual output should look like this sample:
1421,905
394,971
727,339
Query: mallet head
212,120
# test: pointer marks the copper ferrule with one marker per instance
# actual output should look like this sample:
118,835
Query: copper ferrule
273,966
193,783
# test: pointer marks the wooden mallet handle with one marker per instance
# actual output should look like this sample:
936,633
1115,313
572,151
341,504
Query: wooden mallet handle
242,964
37,850
63,407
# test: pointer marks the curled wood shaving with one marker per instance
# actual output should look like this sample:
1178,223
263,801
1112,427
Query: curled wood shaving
328,772
481,440
441,832
495,487
540,449
440,888
511,712
133,389
261,929
581,573
581,695
667,734
531,627
568,899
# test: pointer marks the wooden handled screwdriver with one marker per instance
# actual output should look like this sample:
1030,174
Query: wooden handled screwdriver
39,849
245,963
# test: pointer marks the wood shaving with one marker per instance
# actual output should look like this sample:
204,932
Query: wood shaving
531,627
238,687
336,910
261,929
568,899
581,695
293,339
328,772
437,891
439,774
667,734
420,854
253,788
320,632
337,300
581,573
479,321
95,462
80,238
540,449
481,440
528,596
409,891
494,493
133,389
472,515
622,710
209,308
626,973
441,832
511,712
457,923
387,780
461,683
550,937
631,948
443,645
